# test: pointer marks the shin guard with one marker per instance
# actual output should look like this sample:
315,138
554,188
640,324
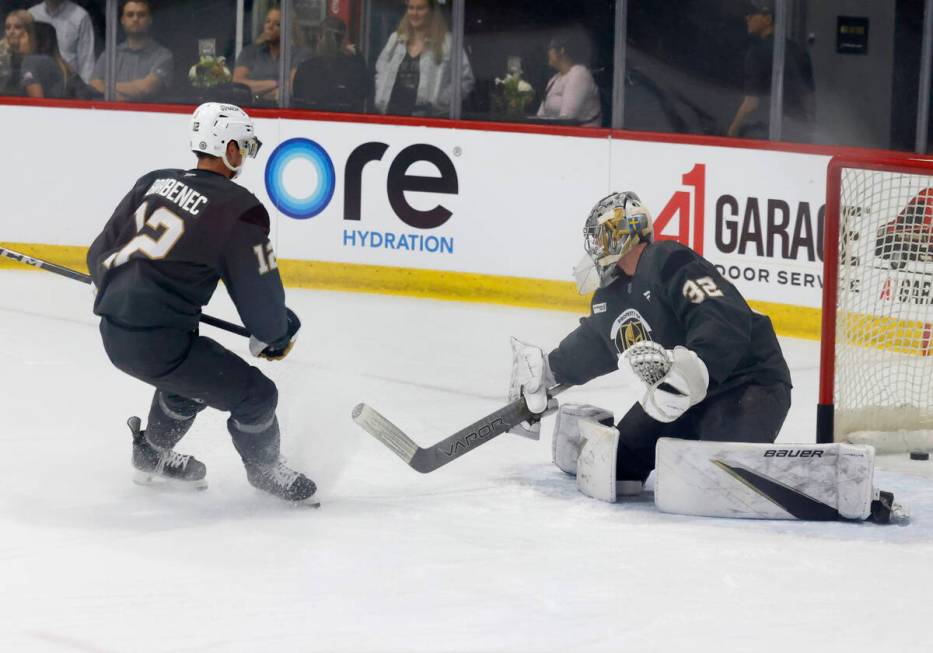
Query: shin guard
170,417
596,466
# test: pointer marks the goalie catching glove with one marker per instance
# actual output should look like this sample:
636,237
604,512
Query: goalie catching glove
674,379
531,378
279,349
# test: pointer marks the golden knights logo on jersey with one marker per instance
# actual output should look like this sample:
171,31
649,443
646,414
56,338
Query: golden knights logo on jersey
629,328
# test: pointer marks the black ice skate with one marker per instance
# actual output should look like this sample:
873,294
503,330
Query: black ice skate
157,466
280,480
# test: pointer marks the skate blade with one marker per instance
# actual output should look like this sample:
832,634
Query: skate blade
154,480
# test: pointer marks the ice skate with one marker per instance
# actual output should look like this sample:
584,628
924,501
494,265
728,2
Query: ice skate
157,466
885,510
280,480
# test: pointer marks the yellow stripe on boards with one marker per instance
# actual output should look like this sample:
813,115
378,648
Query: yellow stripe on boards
794,321
434,284
69,256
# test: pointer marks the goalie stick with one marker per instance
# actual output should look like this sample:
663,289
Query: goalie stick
84,278
427,459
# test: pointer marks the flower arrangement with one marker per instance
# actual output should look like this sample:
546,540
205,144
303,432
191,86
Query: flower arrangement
209,72
513,96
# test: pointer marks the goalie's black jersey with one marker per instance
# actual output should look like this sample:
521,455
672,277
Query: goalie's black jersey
675,298
171,239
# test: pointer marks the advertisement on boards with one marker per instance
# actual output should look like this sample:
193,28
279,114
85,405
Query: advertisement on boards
492,203
458,200
757,215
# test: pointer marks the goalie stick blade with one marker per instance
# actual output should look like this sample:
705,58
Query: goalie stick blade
427,459
385,431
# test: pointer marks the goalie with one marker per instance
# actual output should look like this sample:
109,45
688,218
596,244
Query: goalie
714,389
709,367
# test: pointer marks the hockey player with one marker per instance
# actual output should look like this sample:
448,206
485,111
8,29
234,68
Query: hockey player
710,367
156,264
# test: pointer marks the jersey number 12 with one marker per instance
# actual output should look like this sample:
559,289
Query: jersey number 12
152,248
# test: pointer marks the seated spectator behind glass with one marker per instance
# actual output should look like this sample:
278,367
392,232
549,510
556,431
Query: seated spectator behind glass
10,53
571,94
74,31
414,73
258,64
143,67
44,73
335,78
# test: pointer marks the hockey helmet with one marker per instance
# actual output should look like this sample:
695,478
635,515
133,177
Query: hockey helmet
215,124
616,224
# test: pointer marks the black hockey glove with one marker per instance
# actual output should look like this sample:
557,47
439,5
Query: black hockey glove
279,349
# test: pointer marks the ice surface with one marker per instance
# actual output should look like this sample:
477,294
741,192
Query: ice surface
495,552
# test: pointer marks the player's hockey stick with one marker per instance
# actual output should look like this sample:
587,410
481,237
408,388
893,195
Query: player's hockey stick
80,276
466,439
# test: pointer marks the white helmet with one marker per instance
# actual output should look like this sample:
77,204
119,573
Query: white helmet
613,228
214,124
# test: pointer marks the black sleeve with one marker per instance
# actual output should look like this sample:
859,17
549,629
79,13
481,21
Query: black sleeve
581,356
758,70
301,86
716,320
252,277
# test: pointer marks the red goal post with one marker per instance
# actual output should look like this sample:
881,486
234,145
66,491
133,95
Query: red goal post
876,354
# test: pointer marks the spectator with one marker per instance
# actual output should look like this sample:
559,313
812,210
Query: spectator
143,67
571,94
753,118
258,64
74,31
44,73
15,27
335,78
414,73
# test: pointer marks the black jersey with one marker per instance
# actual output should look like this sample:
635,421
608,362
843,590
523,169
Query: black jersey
171,239
675,298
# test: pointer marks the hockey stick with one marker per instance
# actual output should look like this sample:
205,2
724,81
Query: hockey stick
428,459
84,278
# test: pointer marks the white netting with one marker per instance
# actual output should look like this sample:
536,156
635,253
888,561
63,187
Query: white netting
884,321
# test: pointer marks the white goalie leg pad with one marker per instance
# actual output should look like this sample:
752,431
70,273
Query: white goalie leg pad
766,481
568,439
596,466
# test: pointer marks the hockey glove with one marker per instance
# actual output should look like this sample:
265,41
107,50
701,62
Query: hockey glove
279,349
674,380
531,377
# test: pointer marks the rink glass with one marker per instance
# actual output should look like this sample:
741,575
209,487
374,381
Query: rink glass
677,68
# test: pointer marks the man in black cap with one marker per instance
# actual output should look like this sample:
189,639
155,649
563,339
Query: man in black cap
752,119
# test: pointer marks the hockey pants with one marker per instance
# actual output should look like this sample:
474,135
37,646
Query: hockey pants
191,372
747,413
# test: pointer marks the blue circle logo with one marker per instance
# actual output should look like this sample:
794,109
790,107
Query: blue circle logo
304,206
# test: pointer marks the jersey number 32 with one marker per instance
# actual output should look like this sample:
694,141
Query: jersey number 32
696,290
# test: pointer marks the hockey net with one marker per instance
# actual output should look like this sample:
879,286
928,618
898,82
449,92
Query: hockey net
876,363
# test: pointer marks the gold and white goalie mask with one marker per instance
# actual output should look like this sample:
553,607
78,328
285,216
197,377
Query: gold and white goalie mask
616,224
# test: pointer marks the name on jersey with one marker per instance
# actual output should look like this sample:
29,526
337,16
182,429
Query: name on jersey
187,199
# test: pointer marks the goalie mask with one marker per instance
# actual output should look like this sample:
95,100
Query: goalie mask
616,224
215,124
